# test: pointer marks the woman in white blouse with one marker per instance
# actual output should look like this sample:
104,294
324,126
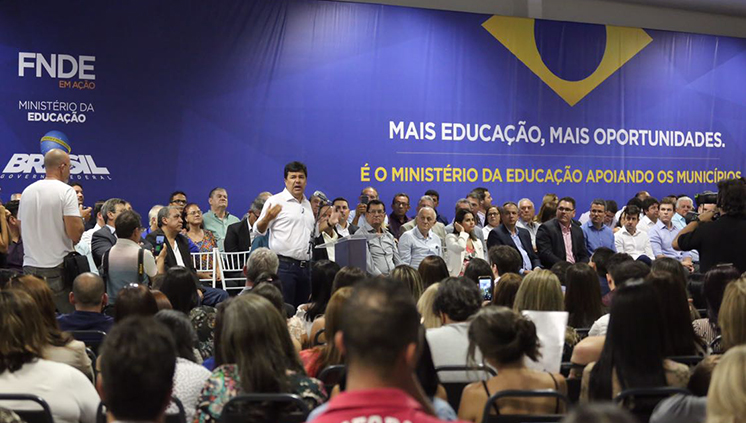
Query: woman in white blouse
70,395
462,245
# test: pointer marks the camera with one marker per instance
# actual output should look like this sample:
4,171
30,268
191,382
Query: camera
707,197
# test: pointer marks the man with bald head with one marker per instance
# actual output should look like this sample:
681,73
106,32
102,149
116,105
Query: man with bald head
89,299
438,228
51,224
420,241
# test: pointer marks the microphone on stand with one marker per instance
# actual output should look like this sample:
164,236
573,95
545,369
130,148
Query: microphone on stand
321,196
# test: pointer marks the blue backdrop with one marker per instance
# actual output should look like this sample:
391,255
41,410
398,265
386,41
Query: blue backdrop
191,95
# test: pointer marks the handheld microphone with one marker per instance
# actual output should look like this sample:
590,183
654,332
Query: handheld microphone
321,196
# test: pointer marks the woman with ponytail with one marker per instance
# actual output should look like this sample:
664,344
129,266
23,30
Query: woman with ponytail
506,339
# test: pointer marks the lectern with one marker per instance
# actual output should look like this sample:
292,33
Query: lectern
350,251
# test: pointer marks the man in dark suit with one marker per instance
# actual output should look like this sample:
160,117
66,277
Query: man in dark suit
512,236
561,238
104,238
169,228
238,236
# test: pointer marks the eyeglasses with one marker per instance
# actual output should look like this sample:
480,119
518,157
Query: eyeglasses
195,212
179,201
376,212
564,209
492,214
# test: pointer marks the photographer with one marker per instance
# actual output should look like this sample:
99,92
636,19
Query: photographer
719,235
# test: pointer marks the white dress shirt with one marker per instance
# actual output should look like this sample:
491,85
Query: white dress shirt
83,247
414,247
645,224
634,245
290,231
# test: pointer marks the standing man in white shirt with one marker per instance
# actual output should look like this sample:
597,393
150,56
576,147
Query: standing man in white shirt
50,225
289,218
630,240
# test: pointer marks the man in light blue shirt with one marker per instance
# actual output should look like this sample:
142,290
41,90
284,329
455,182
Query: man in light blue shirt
596,233
420,241
683,206
664,232
218,219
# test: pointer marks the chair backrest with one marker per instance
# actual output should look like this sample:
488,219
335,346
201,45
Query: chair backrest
231,268
642,401
92,356
277,408
332,375
179,417
717,344
91,338
30,416
205,263
455,389
573,389
489,407
316,340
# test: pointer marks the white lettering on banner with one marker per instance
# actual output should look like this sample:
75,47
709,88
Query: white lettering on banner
60,66
81,165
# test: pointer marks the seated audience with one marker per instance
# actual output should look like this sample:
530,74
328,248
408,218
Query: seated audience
598,263
428,317
24,370
433,269
650,214
383,254
492,221
713,289
270,287
134,300
326,226
599,413
322,278
89,299
182,289
621,268
410,278
478,268
14,258
320,357
138,363
560,269
456,301
664,232
505,291
261,260
527,219
513,236
169,234
200,240
60,346
630,240
379,337
344,227
420,241
692,408
560,232
218,218
548,209
189,377
582,296
152,220
256,356
725,399
633,354
462,245
126,261
506,339
161,300
398,215
504,259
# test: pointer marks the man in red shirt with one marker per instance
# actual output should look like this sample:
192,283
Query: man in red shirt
380,337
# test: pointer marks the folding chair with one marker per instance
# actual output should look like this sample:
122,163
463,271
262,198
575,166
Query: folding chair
642,401
178,417
205,263
582,332
332,375
232,264
717,344
91,338
92,356
30,416
489,407
276,408
455,389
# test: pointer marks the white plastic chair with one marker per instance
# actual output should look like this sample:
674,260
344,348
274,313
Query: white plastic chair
232,262
205,263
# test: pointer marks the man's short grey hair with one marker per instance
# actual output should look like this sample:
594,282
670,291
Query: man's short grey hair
426,209
258,204
525,199
426,198
261,260
164,212
462,201
88,289
110,206
153,213
682,199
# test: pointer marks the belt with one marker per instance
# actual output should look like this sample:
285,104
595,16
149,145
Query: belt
296,262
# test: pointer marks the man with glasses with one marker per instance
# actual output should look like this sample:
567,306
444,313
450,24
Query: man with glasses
596,233
178,199
398,216
561,238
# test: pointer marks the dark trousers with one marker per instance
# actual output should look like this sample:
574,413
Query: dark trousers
213,296
296,282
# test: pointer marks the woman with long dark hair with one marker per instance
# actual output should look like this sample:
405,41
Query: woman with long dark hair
259,357
318,358
582,296
716,279
322,282
678,336
633,353
462,245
